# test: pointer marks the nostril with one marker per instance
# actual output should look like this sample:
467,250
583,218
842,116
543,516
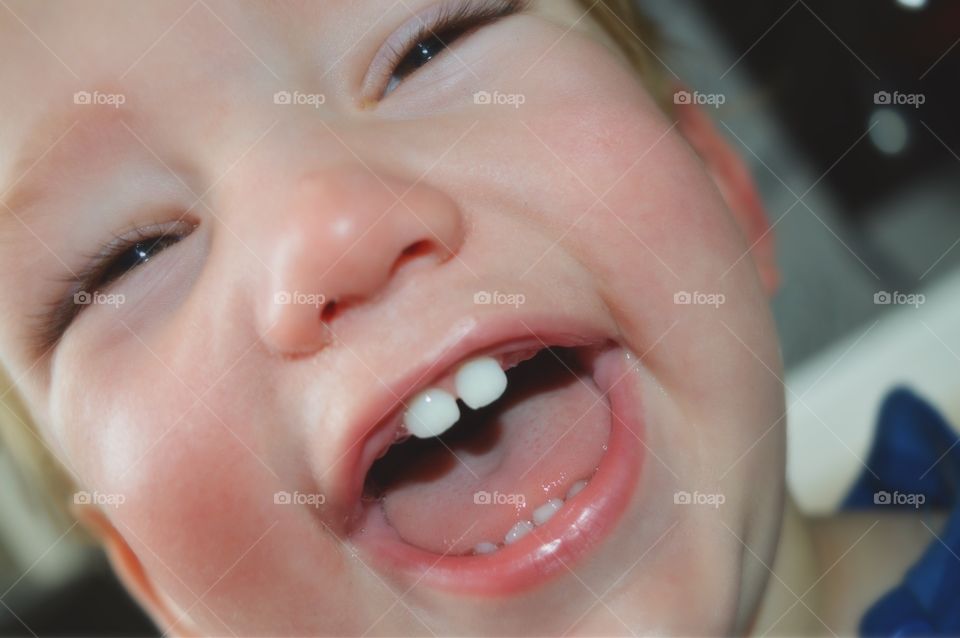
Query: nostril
421,247
329,311
414,251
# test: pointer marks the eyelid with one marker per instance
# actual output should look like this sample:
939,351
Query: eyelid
425,22
99,260
56,317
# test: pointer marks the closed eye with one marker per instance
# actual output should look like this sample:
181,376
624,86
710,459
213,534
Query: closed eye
113,261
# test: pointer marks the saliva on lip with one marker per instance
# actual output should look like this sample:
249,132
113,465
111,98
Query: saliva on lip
541,516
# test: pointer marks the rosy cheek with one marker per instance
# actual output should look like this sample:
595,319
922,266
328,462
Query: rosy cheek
204,521
194,497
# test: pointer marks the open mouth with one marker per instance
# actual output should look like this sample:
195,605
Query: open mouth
504,469
500,470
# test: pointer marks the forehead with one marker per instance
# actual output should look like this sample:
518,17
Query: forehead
53,43
182,62
166,57
72,40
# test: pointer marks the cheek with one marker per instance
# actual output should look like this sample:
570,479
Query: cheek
612,175
197,495
143,434
629,198
637,208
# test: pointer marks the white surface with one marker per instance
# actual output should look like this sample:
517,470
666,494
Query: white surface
834,397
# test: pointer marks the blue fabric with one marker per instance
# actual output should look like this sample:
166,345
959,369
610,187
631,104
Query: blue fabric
915,457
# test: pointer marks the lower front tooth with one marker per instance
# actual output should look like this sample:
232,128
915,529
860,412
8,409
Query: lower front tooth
546,511
485,548
431,413
576,489
517,532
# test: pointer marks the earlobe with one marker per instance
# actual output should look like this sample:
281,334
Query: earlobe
131,573
736,184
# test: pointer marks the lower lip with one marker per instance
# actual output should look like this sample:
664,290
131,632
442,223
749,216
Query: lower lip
583,523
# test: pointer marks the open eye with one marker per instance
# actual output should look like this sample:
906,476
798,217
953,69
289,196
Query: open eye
437,33
421,53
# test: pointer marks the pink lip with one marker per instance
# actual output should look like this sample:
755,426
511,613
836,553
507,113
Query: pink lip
549,551
380,424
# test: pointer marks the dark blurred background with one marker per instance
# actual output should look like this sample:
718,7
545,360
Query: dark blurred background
848,113
832,69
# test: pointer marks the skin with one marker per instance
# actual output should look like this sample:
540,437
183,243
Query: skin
200,397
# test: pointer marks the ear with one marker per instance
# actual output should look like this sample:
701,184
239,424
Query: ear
131,573
732,177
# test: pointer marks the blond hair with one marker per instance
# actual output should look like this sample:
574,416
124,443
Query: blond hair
44,479
639,39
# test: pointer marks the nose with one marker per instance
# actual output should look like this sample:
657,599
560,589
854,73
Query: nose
345,234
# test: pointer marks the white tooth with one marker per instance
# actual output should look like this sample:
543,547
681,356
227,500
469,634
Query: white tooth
480,382
575,489
546,511
517,532
485,548
431,413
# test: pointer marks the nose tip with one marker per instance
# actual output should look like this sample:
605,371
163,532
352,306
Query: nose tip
347,234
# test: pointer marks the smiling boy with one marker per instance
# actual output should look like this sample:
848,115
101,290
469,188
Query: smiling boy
307,223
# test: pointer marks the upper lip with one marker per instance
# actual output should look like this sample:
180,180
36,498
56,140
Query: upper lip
379,421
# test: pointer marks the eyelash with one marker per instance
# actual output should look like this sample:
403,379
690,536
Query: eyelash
101,272
105,261
450,24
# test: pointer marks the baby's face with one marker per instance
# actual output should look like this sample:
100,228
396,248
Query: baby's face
329,226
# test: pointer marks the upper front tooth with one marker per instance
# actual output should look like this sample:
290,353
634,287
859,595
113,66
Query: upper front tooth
431,413
480,382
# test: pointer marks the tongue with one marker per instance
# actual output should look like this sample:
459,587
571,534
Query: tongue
499,464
